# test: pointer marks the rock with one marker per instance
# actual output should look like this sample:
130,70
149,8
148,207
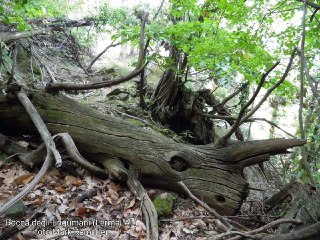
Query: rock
115,92
123,96
164,204
107,71
17,211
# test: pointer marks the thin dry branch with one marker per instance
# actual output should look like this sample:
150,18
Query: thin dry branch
228,98
248,120
77,157
101,53
108,83
227,235
223,140
251,234
34,54
283,77
310,79
223,220
310,232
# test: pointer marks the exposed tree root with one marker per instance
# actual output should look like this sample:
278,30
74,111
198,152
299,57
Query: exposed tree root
36,156
48,141
118,171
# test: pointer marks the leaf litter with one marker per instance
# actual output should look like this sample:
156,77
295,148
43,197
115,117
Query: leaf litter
113,211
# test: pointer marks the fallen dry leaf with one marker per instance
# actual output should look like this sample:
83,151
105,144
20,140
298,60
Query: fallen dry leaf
131,212
8,176
130,204
165,235
35,202
71,180
115,187
113,194
24,179
111,201
199,208
22,144
199,223
120,200
85,210
4,194
186,230
59,189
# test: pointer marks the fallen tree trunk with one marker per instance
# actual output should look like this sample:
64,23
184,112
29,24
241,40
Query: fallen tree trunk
7,36
213,174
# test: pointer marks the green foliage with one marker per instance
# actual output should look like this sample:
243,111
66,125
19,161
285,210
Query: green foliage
18,12
84,36
116,18
211,34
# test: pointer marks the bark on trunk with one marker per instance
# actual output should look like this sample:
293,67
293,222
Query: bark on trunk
212,174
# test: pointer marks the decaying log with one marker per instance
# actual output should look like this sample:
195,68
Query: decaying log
8,36
213,174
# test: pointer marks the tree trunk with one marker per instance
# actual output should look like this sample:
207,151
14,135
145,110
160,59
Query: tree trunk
211,173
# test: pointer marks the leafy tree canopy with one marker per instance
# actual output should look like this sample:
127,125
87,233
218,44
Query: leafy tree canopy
19,12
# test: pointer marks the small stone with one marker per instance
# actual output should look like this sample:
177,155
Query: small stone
17,211
164,204
123,96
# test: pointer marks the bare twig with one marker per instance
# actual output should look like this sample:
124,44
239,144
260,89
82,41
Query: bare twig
250,234
228,98
101,53
41,64
35,156
145,122
223,140
186,219
309,232
223,220
264,98
234,233
274,224
310,80
248,120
